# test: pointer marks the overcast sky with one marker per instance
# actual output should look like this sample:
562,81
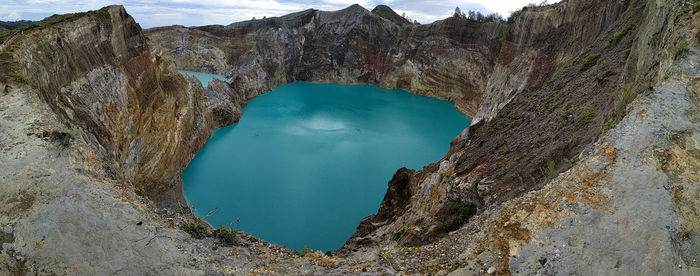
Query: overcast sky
206,12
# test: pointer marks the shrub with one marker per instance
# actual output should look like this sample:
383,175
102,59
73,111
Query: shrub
140,191
586,117
619,35
598,38
551,167
21,78
573,160
103,13
304,250
194,225
513,123
588,62
475,183
609,124
498,43
625,95
514,16
583,53
555,90
227,236
387,255
461,213
501,159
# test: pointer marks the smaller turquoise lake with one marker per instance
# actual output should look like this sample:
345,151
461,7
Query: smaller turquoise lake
204,78
307,162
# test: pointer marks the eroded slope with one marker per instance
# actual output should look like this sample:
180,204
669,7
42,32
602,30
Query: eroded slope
93,113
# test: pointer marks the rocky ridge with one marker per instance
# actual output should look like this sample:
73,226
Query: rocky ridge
452,57
93,112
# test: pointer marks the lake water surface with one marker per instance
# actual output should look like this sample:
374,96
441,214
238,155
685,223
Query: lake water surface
204,78
308,161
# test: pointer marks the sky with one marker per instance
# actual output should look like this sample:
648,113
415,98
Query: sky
207,12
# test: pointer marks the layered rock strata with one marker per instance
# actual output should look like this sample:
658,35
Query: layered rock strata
583,155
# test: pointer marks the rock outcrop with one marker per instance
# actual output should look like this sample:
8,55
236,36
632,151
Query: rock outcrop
582,158
449,59
96,72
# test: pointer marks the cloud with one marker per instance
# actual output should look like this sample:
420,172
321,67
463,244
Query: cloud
206,12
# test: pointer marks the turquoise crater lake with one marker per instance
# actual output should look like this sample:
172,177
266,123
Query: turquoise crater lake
308,161
204,78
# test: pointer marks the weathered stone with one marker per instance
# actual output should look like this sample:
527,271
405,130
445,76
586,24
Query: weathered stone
97,113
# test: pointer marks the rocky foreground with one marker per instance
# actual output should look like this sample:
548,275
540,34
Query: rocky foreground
583,158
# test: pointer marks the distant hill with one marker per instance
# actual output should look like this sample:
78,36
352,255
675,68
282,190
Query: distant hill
386,12
15,24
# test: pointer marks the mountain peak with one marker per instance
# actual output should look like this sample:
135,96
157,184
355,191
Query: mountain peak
389,14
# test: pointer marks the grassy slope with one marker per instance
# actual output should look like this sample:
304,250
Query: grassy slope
388,13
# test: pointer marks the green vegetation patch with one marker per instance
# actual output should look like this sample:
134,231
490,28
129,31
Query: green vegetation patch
388,13
619,35
227,236
514,16
583,53
15,24
573,160
55,19
692,9
22,78
626,94
103,13
140,191
461,213
681,50
193,225
555,90
627,52
304,250
476,181
551,168
513,123
588,62
598,38
610,124
586,118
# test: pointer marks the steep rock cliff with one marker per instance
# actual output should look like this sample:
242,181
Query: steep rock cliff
544,124
449,59
97,73
92,125
563,167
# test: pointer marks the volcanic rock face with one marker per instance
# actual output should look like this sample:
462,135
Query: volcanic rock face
97,74
449,59
583,155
